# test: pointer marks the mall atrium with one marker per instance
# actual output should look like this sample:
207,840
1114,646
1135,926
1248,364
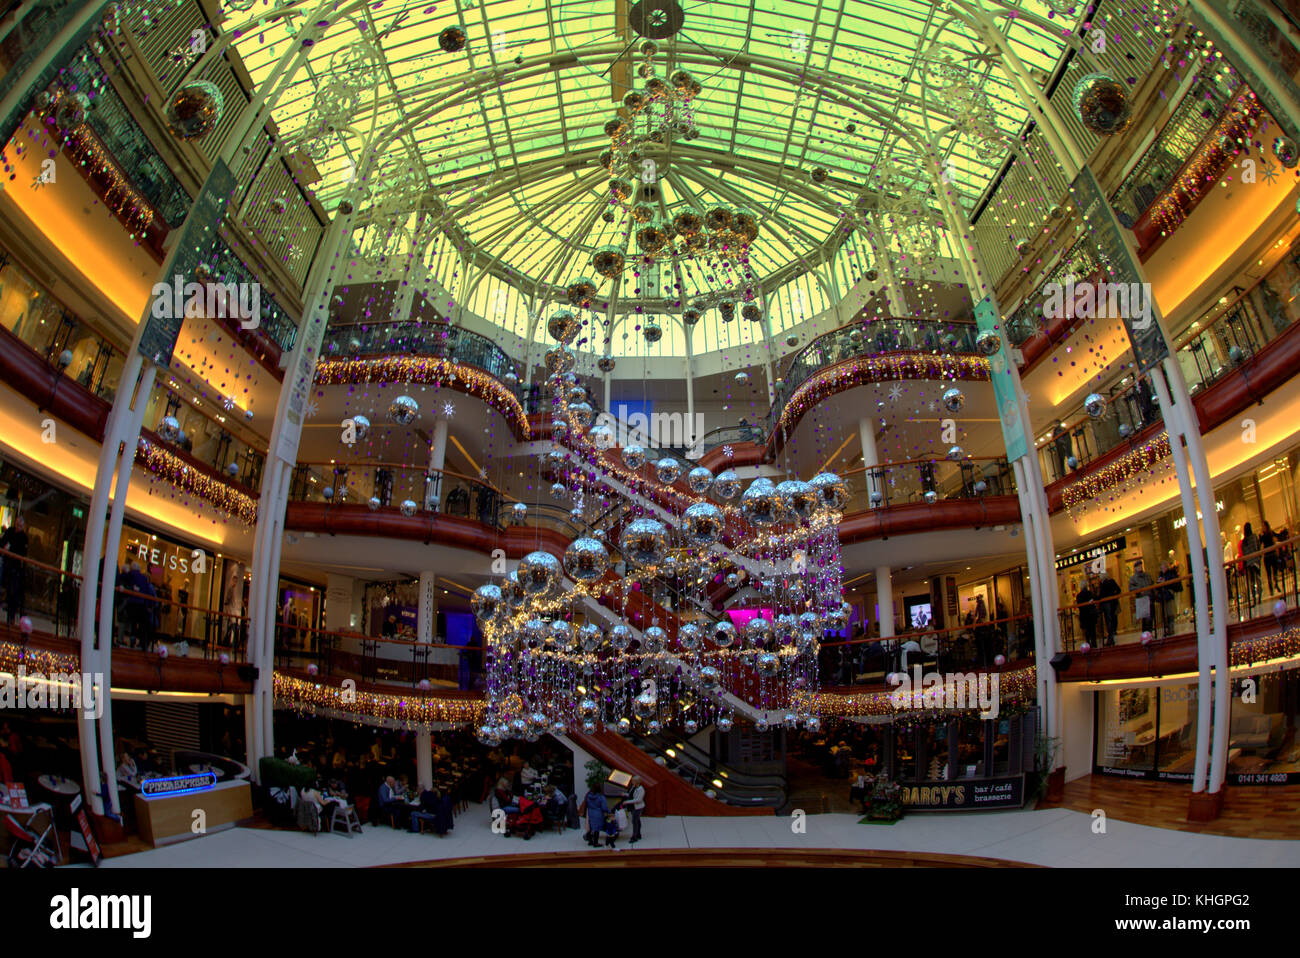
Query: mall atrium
510,419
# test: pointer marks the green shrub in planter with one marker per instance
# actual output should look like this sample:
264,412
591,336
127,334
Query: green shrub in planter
886,801
596,775
277,773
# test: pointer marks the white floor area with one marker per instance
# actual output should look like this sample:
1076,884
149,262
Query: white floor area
1054,837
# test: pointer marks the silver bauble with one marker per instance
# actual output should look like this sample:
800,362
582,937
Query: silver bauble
954,399
644,541
169,429
559,490
563,326
723,634
761,504
403,410
988,342
702,524
586,559
634,456
956,452
589,637
408,507
518,513
1095,405
931,497
699,479
374,503
620,637
799,498
689,635
725,724
831,490
758,632
539,573
710,678
653,639
727,484
668,470
487,602
580,414
768,663
362,426
644,705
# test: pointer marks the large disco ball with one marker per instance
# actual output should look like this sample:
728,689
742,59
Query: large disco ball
723,634
408,507
563,327
535,633
668,470
1286,151
643,706
727,310
831,490
539,573
758,632
653,639
710,677
699,479
786,628
194,109
589,637
620,637
605,364
988,342
768,663
954,399
562,633
608,261
652,332
702,524
362,426
452,39
689,635
169,429
586,559
559,359
1102,104
799,498
581,292
644,541
1095,405
580,414
727,484
634,456
761,504
403,410
691,316
71,111
487,602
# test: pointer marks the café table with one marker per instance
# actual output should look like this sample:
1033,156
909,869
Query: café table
58,785
199,767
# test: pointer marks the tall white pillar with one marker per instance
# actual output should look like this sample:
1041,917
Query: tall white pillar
426,612
885,601
424,758
437,459
870,459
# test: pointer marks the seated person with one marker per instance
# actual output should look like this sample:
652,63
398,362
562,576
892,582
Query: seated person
435,808
391,803
528,775
554,803
127,772
506,801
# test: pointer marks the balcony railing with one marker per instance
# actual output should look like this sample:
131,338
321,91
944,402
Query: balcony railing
871,338
441,340
912,480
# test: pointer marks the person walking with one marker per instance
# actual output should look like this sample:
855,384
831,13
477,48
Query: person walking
1170,585
1109,592
596,808
15,540
635,804
1250,557
1267,539
1139,583
1087,603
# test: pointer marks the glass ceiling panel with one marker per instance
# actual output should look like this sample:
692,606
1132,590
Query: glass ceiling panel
504,134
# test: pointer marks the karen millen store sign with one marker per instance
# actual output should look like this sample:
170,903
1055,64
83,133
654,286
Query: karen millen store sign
965,794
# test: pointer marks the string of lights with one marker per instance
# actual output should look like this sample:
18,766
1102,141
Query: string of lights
169,467
1126,472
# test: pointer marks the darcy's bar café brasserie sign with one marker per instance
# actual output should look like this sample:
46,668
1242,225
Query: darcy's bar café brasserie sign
964,794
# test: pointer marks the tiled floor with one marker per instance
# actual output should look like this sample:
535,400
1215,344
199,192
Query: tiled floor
1054,837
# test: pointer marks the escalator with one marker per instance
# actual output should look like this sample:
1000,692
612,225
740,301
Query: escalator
695,766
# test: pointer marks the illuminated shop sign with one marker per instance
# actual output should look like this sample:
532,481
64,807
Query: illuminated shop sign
1006,792
1087,555
177,785
1181,521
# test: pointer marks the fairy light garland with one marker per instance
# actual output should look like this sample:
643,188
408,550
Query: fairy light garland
1016,689
171,468
305,695
1124,472
13,656
427,370
871,369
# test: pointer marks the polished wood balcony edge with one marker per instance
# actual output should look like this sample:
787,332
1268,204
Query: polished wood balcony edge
722,858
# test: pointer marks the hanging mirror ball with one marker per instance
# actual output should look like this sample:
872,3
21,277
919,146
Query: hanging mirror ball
403,410
954,399
1095,405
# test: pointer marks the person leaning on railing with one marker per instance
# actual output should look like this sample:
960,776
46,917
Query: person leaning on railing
15,541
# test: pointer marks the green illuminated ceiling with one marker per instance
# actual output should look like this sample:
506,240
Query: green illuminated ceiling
505,133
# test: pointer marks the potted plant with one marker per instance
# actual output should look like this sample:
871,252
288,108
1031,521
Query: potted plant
597,773
886,801
1051,780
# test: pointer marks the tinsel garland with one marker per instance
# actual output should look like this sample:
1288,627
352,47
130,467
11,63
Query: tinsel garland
1123,471
1016,688
425,370
1280,645
871,369
305,695
44,661
168,466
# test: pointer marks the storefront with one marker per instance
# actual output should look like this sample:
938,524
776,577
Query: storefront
1148,730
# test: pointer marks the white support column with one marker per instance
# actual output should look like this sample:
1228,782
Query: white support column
1204,654
870,459
885,601
424,758
1218,580
691,435
426,613
112,543
437,460
286,432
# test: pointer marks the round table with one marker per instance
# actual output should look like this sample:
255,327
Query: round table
59,785
198,768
